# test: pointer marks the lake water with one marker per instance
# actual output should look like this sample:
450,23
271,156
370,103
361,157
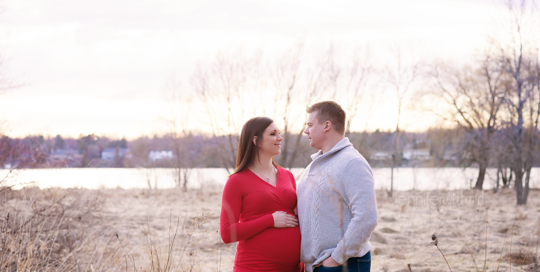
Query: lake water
95,178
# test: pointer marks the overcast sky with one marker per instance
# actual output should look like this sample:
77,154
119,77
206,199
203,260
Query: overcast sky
100,66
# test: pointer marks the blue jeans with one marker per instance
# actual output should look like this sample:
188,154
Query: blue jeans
359,264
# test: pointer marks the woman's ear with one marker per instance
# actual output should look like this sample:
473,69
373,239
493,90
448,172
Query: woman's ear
255,140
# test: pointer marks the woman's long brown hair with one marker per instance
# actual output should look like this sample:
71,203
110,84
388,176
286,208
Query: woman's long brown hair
247,150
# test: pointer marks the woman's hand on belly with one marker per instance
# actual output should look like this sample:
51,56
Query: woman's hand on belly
284,220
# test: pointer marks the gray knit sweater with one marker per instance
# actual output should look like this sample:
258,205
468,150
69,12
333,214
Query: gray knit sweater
337,208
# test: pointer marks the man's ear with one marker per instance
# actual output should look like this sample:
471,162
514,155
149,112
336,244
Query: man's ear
327,126
255,140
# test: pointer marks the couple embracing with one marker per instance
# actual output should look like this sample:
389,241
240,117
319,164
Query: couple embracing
325,225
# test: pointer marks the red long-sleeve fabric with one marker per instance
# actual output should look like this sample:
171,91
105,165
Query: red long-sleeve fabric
246,217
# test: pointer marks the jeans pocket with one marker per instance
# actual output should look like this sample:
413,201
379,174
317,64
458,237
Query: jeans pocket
363,264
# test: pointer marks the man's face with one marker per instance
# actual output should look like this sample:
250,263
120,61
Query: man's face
315,131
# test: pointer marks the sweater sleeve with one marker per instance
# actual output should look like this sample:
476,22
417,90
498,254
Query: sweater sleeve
358,190
231,206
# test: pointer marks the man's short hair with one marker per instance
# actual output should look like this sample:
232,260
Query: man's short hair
329,111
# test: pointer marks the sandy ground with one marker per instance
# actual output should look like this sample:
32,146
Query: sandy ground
459,219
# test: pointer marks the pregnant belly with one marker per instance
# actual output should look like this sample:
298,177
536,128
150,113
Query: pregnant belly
270,250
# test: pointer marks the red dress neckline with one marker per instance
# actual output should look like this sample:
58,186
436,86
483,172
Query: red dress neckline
259,178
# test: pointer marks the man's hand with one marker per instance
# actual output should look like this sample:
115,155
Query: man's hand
329,262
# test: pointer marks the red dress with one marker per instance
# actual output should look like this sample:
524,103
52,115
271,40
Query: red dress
246,216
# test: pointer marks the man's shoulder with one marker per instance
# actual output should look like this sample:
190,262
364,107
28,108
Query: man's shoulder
350,161
350,154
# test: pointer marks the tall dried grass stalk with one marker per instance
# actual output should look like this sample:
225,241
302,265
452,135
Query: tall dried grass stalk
511,237
485,242
435,242
537,259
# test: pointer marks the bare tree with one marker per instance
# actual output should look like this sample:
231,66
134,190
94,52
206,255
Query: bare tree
316,79
17,154
285,74
357,80
352,80
516,45
474,97
237,86
202,81
501,151
180,107
348,73
229,89
401,72
140,149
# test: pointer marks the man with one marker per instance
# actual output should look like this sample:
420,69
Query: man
337,208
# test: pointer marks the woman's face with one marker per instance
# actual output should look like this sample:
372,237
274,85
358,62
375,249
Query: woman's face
271,141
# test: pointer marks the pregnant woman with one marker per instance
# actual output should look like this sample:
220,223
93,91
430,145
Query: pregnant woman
258,204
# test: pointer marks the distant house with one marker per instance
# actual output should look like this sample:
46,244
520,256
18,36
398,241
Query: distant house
416,154
381,156
64,154
160,155
111,153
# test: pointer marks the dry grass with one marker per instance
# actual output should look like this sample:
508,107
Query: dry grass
173,230
51,230
108,230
